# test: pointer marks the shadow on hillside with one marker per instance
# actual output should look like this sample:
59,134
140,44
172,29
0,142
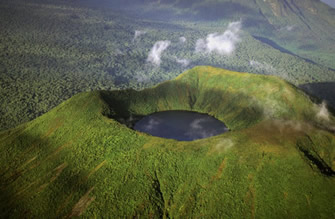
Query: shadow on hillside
237,107
311,152
118,107
323,91
11,204
31,173
273,45
8,203
319,163
283,50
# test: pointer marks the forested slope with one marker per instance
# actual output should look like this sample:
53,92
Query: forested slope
51,50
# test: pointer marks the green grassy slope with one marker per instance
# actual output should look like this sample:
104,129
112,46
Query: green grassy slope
278,161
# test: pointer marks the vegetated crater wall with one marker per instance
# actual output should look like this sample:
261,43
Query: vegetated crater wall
239,100
234,109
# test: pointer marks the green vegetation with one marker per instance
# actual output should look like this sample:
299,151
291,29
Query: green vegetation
277,162
51,50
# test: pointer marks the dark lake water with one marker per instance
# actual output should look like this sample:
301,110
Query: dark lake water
180,125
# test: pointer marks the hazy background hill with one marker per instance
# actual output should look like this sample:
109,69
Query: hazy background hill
53,49
301,26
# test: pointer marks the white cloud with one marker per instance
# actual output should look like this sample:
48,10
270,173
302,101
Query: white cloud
141,78
156,52
268,69
138,33
183,62
118,52
323,112
324,116
223,44
263,66
182,39
200,45
289,27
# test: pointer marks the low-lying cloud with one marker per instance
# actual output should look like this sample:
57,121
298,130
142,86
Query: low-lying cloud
323,112
262,66
155,53
118,52
288,28
266,68
223,44
138,33
182,39
324,117
141,78
183,62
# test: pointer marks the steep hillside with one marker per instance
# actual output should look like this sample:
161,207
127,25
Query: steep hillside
278,160
306,28
324,91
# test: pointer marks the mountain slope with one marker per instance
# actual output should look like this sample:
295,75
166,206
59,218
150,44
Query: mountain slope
78,159
324,91
306,28
51,50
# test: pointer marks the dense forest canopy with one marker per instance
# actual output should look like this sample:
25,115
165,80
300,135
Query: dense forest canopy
51,50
